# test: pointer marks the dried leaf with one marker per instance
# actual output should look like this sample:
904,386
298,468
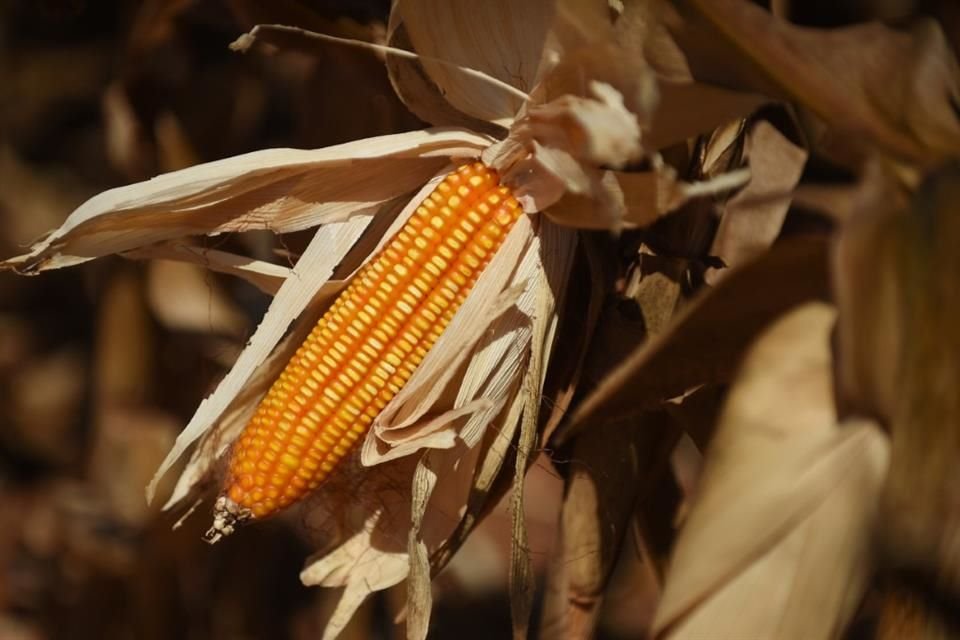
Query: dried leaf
598,130
810,518
893,87
558,148
678,113
584,197
265,276
609,467
706,340
486,481
419,595
752,219
591,276
372,554
418,92
500,38
278,189
521,568
583,49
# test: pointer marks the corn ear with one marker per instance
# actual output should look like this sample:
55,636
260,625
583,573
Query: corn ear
365,347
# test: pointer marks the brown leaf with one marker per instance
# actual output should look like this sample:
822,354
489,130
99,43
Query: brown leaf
591,277
611,466
419,92
583,50
680,114
894,88
899,353
805,488
549,289
419,595
751,220
706,340
500,38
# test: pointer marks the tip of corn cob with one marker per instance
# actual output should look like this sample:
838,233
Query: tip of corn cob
227,515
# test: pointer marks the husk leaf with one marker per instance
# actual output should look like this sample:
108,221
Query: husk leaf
277,189
810,519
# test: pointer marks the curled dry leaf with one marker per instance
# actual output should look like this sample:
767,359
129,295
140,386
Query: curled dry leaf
619,200
893,87
557,149
811,516
751,220
599,130
549,288
611,467
418,92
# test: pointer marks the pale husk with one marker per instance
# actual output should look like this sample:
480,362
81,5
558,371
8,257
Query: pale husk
266,276
501,38
889,87
277,189
805,488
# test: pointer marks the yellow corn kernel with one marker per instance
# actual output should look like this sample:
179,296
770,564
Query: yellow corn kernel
365,347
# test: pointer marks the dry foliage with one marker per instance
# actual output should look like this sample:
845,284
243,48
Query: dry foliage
708,387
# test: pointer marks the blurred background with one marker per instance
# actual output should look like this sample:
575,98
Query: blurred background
101,366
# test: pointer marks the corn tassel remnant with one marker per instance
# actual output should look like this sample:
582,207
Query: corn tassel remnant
365,347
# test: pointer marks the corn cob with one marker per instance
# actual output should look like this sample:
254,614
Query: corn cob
365,347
